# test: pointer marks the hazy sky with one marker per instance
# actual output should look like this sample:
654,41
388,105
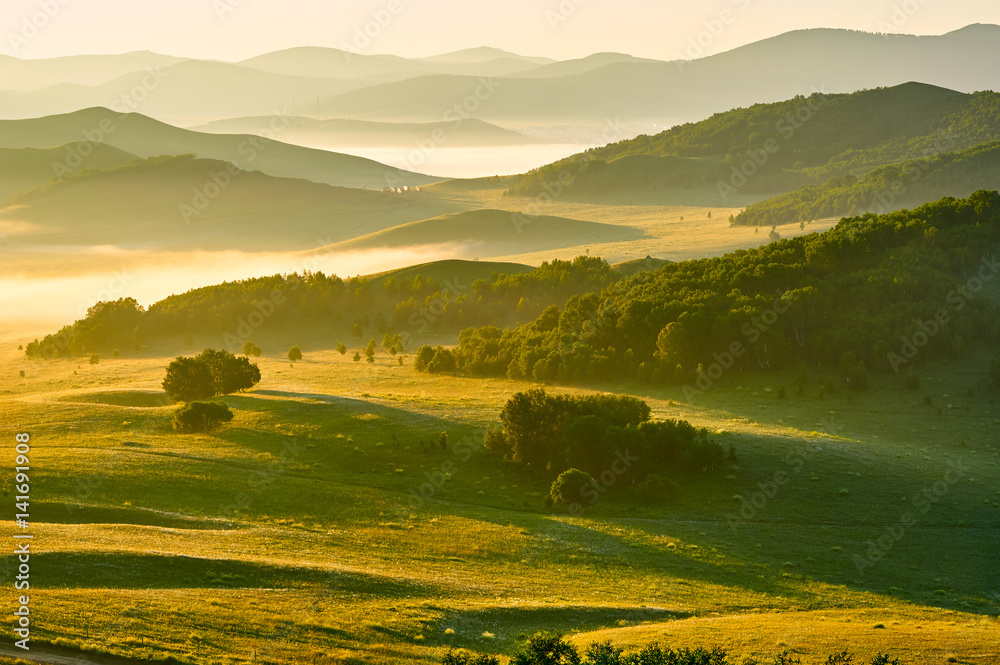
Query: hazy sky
236,29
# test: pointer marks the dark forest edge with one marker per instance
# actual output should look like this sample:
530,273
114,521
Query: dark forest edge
543,649
875,293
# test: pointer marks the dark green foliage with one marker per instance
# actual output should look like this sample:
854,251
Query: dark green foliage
435,360
600,435
208,374
995,370
570,486
884,189
465,658
230,374
495,441
341,348
834,135
858,378
656,489
201,416
544,649
413,303
295,354
188,379
108,325
547,650
424,356
851,293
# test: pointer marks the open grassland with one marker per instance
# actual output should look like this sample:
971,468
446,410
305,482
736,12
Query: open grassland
298,533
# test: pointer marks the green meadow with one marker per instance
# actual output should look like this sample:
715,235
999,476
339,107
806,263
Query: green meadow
326,523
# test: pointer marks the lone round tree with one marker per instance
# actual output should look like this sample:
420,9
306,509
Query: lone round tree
295,354
188,379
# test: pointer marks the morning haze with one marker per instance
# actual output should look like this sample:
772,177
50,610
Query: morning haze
489,333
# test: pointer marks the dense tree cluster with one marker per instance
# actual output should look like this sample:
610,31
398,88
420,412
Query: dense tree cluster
200,416
547,649
110,324
608,437
208,374
874,293
884,189
410,305
783,145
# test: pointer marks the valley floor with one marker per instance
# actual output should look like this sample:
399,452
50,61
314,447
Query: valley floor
315,527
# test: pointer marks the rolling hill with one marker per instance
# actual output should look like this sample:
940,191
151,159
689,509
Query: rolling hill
777,147
145,137
27,168
333,134
345,64
191,91
87,70
795,63
491,233
183,203
893,187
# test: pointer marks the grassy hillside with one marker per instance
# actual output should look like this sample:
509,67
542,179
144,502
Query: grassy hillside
184,203
146,137
492,233
303,508
884,189
28,168
780,146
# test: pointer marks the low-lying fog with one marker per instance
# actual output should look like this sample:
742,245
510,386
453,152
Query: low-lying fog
51,291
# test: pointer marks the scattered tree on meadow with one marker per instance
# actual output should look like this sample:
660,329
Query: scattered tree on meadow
251,349
570,486
208,374
295,354
341,348
201,416
230,374
188,379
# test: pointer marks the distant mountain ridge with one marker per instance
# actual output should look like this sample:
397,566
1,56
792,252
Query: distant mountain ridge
146,137
522,91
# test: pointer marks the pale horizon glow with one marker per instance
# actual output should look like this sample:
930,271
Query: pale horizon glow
233,30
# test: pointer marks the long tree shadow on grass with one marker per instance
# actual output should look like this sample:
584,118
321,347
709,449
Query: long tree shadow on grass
73,570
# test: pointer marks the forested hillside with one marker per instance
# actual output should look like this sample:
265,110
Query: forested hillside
805,140
884,189
845,298
438,297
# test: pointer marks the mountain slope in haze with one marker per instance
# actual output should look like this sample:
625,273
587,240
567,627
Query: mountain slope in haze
782,67
493,233
894,187
777,147
22,169
485,54
333,134
583,65
343,64
182,203
146,137
86,70
192,91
